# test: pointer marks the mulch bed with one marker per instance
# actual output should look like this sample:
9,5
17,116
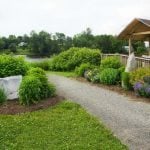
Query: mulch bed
118,89
12,107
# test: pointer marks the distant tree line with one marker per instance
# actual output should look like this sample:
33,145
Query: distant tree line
44,43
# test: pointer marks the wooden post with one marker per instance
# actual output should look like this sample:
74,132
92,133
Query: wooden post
130,46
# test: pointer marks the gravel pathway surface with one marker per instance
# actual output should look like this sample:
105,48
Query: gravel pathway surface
129,120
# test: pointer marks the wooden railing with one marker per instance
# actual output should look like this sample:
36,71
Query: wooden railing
141,61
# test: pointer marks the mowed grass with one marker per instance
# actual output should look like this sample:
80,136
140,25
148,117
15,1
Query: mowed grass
65,74
65,126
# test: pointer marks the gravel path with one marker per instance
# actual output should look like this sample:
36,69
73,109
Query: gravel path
129,120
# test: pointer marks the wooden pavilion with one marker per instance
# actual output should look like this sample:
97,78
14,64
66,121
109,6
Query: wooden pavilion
138,29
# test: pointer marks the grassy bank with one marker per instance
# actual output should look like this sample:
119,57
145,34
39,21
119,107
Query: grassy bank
64,126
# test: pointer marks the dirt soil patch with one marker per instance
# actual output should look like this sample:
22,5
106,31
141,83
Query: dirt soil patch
116,88
13,107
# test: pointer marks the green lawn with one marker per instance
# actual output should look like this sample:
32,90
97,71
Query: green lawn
66,126
65,74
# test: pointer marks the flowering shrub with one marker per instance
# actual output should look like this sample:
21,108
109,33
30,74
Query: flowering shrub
138,75
142,89
82,68
92,75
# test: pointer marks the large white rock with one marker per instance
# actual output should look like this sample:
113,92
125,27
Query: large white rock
131,63
11,85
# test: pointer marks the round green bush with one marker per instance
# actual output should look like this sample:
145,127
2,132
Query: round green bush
3,96
109,76
82,68
36,71
110,62
68,60
30,90
10,66
51,89
39,85
41,75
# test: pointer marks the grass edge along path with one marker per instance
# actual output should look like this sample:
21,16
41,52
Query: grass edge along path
65,74
65,126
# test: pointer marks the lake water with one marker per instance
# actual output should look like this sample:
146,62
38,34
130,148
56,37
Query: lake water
28,59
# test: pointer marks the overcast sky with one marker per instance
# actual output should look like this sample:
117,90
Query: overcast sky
69,16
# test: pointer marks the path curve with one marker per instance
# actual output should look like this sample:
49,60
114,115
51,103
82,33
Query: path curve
129,120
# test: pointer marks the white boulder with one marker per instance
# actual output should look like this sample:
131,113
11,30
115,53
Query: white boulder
11,85
131,63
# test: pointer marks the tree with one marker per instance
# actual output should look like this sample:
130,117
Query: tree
64,42
41,43
2,44
109,44
84,39
13,47
139,47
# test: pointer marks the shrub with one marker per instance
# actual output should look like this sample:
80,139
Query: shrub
3,96
51,89
43,64
68,60
137,75
125,78
92,75
110,62
146,79
142,89
35,87
30,90
109,76
82,68
10,66
47,89
35,71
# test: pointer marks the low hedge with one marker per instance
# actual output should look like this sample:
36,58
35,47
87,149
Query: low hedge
68,60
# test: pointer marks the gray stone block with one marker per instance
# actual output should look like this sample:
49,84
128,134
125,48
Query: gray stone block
11,85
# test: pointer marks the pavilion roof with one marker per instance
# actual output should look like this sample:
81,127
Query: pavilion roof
137,29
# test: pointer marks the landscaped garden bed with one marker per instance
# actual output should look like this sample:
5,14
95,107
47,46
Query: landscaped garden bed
108,73
13,107
116,88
